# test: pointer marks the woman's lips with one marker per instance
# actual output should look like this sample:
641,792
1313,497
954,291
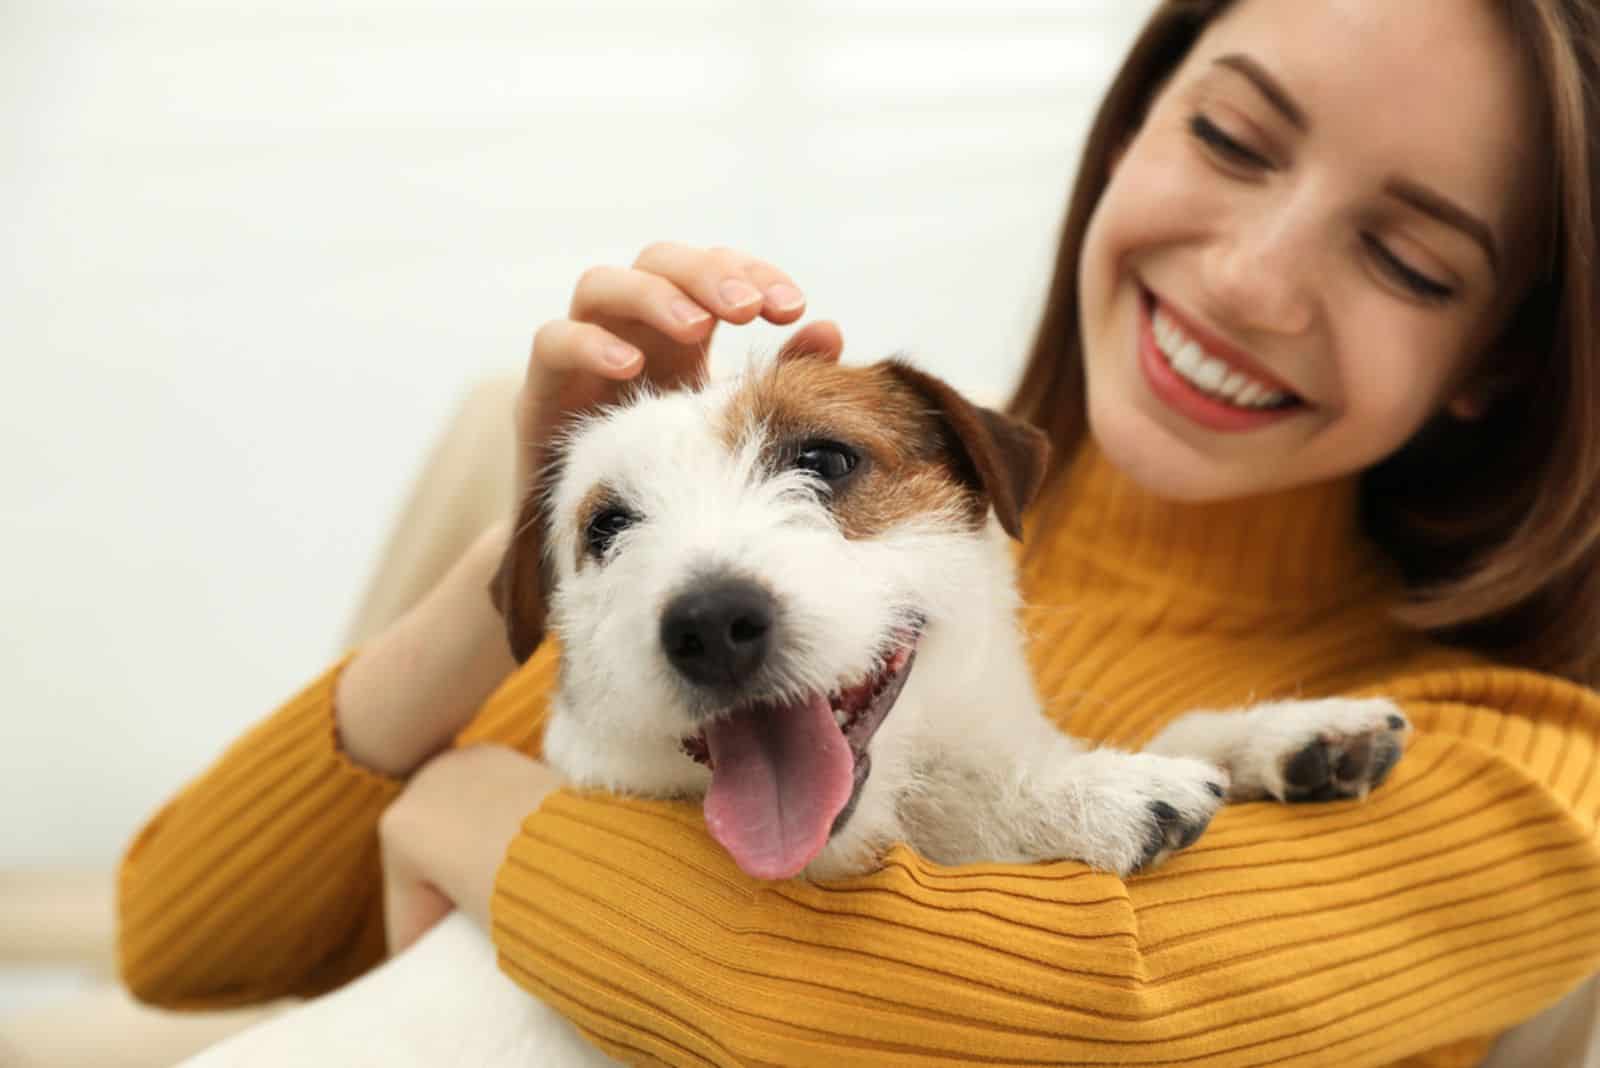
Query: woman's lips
1187,400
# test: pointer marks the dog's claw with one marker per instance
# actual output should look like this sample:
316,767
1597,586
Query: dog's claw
1170,831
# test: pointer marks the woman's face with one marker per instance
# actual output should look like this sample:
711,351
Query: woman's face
1319,227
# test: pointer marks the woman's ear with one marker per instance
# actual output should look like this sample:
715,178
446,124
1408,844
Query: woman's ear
1469,405
1474,397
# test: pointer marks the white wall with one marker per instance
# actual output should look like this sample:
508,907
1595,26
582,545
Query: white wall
256,256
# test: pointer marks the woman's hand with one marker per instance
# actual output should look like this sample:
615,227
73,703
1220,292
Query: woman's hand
655,318
443,838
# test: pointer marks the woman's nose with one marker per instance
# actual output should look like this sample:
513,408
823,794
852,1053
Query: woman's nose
1261,276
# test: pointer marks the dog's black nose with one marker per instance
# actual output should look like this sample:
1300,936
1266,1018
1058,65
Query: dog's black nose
717,633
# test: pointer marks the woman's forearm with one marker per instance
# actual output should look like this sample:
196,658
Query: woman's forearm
261,877
407,694
444,837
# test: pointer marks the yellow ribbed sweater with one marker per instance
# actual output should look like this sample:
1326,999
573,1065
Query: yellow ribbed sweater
1460,898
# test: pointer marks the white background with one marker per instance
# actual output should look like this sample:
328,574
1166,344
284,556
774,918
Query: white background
258,256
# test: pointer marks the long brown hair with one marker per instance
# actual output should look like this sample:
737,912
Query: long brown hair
1495,524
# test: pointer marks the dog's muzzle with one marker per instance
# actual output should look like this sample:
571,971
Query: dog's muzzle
786,770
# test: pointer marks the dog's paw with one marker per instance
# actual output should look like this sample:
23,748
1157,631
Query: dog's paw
1126,812
1328,750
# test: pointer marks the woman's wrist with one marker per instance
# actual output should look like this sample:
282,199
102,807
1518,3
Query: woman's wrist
444,838
410,691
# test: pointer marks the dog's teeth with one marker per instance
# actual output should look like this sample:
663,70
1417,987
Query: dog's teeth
840,717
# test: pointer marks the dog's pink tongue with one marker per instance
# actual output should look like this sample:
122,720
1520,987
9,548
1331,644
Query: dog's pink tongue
779,778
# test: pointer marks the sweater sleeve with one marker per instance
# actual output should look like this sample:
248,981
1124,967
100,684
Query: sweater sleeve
1456,901
261,878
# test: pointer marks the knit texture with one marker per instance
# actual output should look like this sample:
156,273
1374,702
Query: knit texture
1459,899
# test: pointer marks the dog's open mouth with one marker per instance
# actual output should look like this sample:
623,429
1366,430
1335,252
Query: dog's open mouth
786,775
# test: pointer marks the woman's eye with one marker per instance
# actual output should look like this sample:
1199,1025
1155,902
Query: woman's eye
1225,146
604,527
828,460
1424,287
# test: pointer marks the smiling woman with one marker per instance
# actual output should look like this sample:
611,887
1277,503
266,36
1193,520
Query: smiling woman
1399,247
1278,213
1320,366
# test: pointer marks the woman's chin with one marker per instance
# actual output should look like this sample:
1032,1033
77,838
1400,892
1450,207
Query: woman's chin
1164,464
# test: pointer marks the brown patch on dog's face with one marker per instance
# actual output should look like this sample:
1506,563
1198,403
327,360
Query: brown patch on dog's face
596,500
921,447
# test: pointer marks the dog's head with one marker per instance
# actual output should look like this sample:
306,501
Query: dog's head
740,577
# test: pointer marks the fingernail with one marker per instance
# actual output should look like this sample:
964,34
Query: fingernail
784,297
689,312
619,355
738,293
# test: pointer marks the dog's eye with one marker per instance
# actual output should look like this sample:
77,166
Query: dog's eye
604,527
828,460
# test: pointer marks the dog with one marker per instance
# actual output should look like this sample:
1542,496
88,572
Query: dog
790,595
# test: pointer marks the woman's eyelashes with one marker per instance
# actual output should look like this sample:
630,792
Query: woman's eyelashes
1225,147
1424,287
1235,156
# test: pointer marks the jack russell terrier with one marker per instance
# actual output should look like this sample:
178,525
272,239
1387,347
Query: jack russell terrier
791,594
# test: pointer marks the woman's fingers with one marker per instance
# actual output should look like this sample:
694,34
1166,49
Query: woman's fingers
655,318
621,294
782,301
572,366
731,284
563,346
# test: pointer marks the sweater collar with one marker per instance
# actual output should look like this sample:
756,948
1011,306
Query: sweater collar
1301,548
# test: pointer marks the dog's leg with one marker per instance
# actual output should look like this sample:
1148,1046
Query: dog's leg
1323,750
1048,799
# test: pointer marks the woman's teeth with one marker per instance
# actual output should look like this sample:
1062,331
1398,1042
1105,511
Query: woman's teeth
1210,375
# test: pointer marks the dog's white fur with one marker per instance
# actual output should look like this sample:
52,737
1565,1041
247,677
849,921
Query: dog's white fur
965,767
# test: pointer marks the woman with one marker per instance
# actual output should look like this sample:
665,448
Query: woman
1319,365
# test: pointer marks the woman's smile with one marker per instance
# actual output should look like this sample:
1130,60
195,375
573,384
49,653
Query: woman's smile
1204,379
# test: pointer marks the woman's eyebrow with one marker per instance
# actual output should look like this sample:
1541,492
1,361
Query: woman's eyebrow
1268,86
1418,196
1448,212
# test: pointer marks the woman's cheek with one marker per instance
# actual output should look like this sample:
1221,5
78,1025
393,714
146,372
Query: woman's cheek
1164,196
1391,387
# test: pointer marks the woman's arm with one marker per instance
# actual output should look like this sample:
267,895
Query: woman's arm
1456,901
443,838
262,878
419,683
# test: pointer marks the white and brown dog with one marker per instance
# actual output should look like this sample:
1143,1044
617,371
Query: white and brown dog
791,594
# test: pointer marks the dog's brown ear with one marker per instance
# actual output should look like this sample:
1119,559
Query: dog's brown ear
521,587
1004,458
